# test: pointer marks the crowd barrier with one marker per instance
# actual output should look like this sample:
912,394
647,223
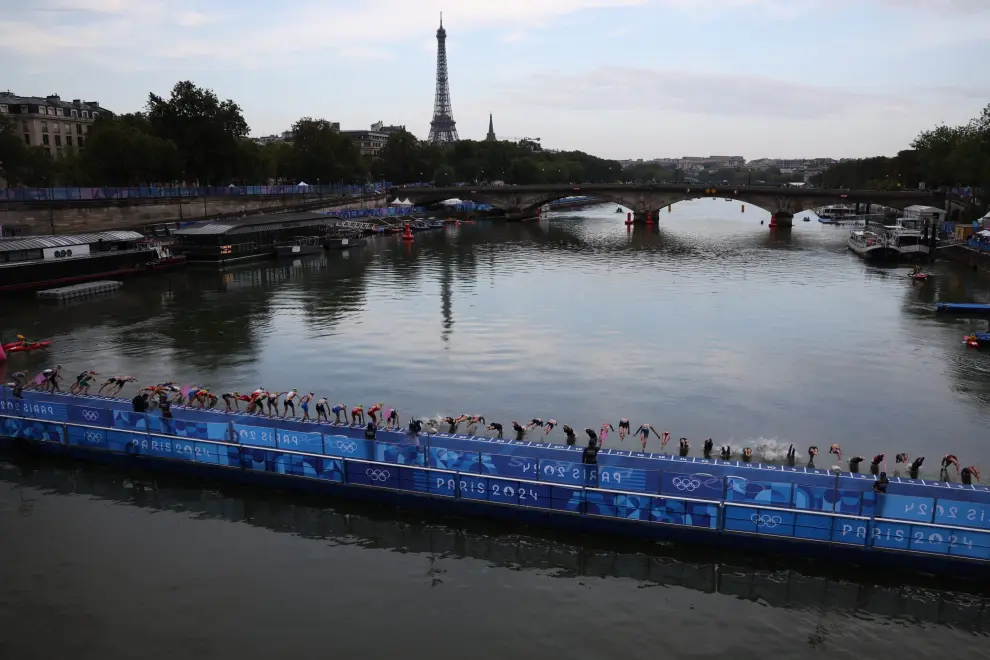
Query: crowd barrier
723,496
154,192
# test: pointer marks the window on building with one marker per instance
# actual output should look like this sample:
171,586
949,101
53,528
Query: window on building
44,127
85,114
44,139
68,140
50,111
56,127
68,128
78,129
81,141
24,126
58,151
96,115
58,140
27,139
74,113
24,109
58,111
51,152
4,109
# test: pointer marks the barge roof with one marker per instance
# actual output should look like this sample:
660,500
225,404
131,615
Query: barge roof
254,224
42,242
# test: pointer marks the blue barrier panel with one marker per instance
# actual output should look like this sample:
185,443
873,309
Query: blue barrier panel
847,530
56,412
747,491
251,458
205,452
311,443
525,467
125,442
129,421
814,527
814,498
366,474
634,507
89,415
962,514
620,478
974,545
772,522
401,454
91,438
565,498
906,507
255,436
679,512
891,536
454,459
472,487
930,539
21,428
695,486
298,465
332,469
505,491
230,456
158,446
563,472
345,447
422,481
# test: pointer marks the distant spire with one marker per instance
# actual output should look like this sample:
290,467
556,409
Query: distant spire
491,129
441,19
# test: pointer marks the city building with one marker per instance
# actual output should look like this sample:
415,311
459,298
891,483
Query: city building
285,136
56,125
380,127
369,143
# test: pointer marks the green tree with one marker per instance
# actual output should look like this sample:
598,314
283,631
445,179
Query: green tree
444,176
321,154
206,130
118,153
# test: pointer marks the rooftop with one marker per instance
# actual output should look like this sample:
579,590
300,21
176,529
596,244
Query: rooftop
250,225
42,242
9,98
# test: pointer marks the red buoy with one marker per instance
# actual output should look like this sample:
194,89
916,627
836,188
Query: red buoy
649,217
407,235
773,221
629,219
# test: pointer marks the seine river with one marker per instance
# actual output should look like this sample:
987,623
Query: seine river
707,325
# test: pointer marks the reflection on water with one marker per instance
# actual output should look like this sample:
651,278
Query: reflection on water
296,560
707,325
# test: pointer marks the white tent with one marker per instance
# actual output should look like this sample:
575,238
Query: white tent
451,202
985,233
302,184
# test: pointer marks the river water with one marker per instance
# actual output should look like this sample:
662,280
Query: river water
707,325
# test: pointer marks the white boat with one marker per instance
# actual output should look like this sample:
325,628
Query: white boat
834,213
544,209
872,245
908,239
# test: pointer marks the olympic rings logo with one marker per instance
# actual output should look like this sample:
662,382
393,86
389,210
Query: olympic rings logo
90,415
93,436
765,520
689,484
378,475
345,446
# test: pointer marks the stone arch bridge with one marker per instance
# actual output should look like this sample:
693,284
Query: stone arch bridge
783,202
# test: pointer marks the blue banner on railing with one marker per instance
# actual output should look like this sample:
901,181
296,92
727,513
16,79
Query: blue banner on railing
168,192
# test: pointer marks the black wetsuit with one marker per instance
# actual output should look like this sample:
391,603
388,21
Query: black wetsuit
747,455
854,464
875,464
165,407
590,454
915,467
709,445
966,475
791,456
880,486
495,426
520,430
685,447
726,453
569,435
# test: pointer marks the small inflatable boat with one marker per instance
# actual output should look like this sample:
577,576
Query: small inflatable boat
918,277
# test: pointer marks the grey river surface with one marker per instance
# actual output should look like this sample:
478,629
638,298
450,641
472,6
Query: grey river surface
707,326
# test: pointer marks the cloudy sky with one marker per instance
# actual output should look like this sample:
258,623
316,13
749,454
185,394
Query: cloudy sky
617,78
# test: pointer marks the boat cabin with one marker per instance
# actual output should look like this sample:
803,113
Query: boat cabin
240,239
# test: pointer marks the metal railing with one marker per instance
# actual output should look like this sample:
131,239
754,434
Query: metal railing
174,192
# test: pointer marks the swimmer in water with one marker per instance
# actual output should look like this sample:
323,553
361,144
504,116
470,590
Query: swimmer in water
357,413
812,452
519,429
901,458
623,429
323,410
915,467
747,455
644,433
606,427
726,452
837,450
685,447
373,412
947,460
451,424
791,456
569,435
854,464
290,402
967,474
392,418
495,426
875,464
707,450
535,422
304,404
664,439
337,410
472,423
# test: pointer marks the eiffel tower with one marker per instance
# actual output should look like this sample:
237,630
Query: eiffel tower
442,129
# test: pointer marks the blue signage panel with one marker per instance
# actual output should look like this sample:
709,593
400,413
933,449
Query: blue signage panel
471,487
503,491
906,507
974,545
814,527
962,514
196,452
332,469
56,412
345,447
436,483
679,512
455,459
156,445
748,491
891,536
255,436
125,442
13,427
129,421
252,458
522,467
695,486
563,472
621,478
369,474
564,498
311,443
89,415
814,498
633,507
84,437
847,530
389,452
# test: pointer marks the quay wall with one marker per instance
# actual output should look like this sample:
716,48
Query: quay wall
77,216
977,259
918,520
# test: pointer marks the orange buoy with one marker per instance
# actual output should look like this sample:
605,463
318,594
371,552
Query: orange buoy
407,235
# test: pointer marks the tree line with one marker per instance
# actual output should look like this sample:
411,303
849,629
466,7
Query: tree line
945,156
